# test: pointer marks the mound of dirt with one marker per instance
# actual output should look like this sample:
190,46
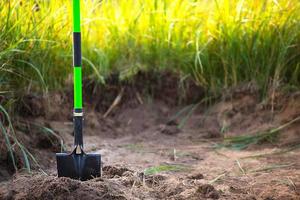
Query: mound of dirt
50,187
114,185
117,183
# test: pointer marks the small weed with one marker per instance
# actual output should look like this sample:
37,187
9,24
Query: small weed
243,141
276,152
164,168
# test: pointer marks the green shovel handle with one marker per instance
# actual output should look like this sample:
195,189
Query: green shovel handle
77,62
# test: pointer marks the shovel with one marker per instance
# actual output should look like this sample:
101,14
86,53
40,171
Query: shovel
78,164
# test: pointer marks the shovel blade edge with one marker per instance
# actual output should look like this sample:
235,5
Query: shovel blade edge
78,166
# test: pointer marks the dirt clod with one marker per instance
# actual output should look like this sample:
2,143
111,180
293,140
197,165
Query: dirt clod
208,191
111,171
154,180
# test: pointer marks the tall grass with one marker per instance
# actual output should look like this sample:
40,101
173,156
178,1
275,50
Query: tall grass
12,143
219,43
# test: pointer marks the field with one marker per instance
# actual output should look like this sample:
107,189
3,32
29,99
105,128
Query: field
184,99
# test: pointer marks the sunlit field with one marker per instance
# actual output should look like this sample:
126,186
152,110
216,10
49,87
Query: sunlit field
218,43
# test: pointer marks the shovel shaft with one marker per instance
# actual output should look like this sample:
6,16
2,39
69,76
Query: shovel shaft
77,60
77,63
78,164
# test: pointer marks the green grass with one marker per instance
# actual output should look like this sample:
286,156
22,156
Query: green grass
12,143
164,168
276,152
218,43
14,146
244,140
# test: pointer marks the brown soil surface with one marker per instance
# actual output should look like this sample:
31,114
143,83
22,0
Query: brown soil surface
149,154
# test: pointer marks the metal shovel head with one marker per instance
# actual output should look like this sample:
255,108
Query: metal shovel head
79,166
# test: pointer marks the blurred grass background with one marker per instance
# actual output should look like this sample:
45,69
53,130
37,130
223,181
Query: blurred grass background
218,43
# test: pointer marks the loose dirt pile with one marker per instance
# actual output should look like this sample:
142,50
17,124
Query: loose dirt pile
134,185
116,183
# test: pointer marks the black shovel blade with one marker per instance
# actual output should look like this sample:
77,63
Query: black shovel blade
78,166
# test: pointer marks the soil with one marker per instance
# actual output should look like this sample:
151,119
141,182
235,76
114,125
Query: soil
147,153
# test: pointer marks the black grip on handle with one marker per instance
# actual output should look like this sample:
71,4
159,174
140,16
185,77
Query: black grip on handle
78,126
77,57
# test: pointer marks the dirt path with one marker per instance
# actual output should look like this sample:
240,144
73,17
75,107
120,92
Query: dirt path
144,157
234,174
149,154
